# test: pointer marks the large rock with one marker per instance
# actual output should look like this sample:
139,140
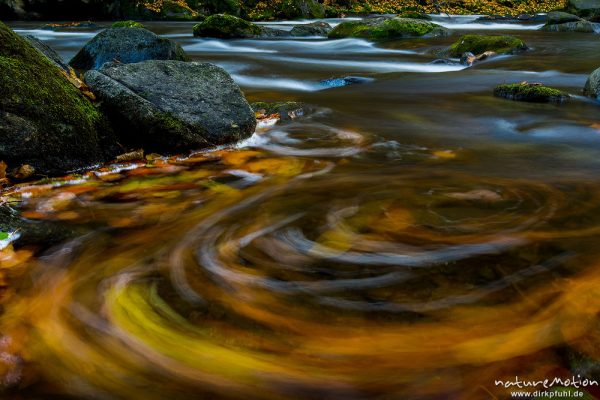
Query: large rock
559,17
479,44
577,26
170,106
318,28
226,27
382,28
592,86
45,121
126,45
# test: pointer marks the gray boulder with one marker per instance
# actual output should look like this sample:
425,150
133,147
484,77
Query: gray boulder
577,26
126,45
318,28
266,32
592,86
170,106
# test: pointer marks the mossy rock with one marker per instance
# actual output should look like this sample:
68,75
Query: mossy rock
559,17
529,92
575,26
127,24
478,44
45,121
226,27
292,9
415,15
384,28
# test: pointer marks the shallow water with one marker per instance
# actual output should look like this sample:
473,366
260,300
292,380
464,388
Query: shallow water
414,238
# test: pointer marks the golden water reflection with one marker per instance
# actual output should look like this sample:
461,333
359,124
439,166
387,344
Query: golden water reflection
244,273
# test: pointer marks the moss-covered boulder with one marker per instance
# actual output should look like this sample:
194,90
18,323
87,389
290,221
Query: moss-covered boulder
531,92
126,45
226,27
172,106
415,15
45,121
478,44
127,24
581,26
385,28
559,17
592,85
318,28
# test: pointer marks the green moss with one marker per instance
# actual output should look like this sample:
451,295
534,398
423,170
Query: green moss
30,83
381,29
127,24
226,26
45,121
276,107
531,93
414,15
169,123
478,44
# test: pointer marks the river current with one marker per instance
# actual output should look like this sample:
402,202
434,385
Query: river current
411,237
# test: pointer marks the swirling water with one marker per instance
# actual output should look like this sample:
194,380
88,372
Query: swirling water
412,238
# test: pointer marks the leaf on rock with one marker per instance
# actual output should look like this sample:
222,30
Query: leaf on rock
131,156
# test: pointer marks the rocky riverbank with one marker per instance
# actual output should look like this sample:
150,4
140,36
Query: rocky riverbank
260,10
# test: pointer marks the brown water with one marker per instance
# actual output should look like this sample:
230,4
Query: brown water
415,238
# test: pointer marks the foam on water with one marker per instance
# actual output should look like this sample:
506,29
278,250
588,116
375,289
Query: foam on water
43,34
279,83
490,26
375,66
291,45
220,46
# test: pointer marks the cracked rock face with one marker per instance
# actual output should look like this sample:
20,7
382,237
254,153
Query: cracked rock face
170,106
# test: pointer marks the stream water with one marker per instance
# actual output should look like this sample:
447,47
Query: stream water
412,238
